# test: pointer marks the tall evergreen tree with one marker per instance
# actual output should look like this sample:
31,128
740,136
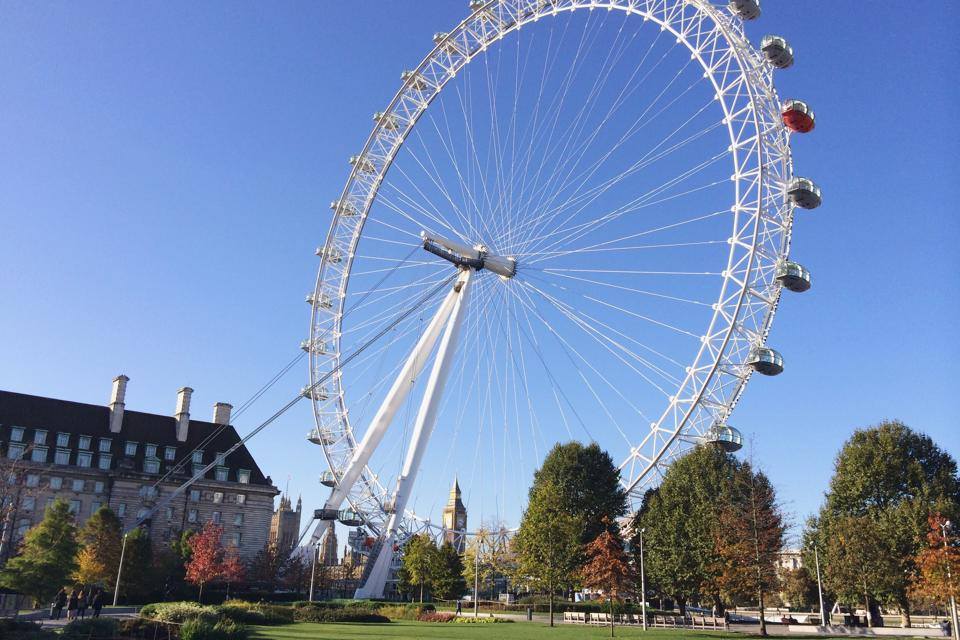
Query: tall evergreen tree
588,483
47,556
894,477
138,579
447,580
100,540
419,562
547,545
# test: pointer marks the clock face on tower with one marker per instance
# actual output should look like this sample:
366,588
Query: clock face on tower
460,522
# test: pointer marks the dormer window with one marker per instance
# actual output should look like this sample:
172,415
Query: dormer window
169,453
130,449
16,434
104,445
197,457
40,436
84,442
150,450
63,439
222,474
243,476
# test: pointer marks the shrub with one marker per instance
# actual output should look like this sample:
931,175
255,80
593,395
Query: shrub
255,612
338,614
180,612
436,617
144,628
200,629
90,628
483,620
13,629
407,611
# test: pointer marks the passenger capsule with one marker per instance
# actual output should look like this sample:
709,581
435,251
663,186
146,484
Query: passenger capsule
746,9
439,36
798,116
331,255
804,193
350,518
725,437
323,300
325,514
777,51
766,361
327,479
317,347
793,276
414,80
344,208
316,393
390,506
363,165
386,120
477,4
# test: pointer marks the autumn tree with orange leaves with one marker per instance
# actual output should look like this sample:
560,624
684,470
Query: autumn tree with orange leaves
608,568
206,562
938,564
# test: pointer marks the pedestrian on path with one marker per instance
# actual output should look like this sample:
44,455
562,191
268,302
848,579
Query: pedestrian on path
82,604
458,607
97,602
72,605
59,601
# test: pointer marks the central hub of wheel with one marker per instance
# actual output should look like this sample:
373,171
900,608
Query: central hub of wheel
476,257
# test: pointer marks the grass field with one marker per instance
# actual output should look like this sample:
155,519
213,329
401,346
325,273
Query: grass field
403,630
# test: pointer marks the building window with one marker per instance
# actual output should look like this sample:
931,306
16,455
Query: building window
169,513
148,491
40,436
121,509
49,501
197,456
28,503
84,442
222,474
216,517
150,450
194,495
39,454
22,527
197,468
62,456
77,485
16,434
217,497
98,487
235,538
238,519
74,506
84,458
243,476
56,482
104,445
192,515
169,453
142,513
130,449
95,506
15,451
220,458
104,461
33,480
63,439
151,466
241,498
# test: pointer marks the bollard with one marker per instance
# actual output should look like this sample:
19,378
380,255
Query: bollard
529,613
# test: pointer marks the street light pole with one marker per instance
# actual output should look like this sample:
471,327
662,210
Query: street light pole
816,555
116,586
313,571
944,527
643,585
476,580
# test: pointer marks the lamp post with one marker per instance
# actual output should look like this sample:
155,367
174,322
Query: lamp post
944,527
116,586
476,579
313,571
643,585
816,555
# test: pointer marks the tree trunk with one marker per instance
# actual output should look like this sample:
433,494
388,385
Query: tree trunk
551,604
611,616
866,605
763,618
904,606
682,605
200,594
421,592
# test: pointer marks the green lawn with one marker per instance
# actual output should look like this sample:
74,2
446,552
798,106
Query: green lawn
403,630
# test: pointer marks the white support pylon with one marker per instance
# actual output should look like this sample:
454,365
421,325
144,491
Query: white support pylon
392,402
426,418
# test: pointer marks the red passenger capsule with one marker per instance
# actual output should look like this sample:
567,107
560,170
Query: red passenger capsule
797,116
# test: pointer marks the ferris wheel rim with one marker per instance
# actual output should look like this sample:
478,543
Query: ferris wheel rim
722,24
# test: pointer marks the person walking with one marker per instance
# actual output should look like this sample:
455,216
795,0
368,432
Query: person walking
82,604
72,605
59,602
458,606
97,602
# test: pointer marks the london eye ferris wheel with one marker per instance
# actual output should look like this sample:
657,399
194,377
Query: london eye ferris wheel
572,221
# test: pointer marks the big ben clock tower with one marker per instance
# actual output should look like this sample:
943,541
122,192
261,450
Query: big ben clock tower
455,519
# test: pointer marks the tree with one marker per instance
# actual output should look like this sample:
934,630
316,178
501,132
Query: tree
206,562
100,541
894,477
169,565
13,492
938,564
681,522
447,580
547,544
419,561
47,557
798,588
750,538
608,568
138,579
232,569
588,483
268,566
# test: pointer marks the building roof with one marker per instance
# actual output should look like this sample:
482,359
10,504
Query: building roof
64,416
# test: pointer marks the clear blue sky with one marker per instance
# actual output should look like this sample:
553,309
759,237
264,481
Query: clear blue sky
166,168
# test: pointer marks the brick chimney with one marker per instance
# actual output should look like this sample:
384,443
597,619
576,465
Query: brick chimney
116,402
221,413
183,413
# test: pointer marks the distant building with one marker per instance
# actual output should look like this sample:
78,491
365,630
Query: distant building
789,559
455,519
285,525
328,545
93,455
